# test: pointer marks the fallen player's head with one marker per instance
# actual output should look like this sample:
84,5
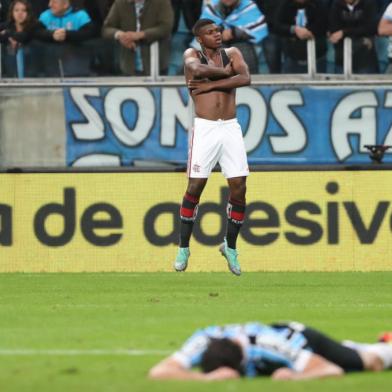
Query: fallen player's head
222,353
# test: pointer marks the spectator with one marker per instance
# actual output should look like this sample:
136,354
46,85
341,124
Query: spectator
39,6
102,51
243,26
272,44
97,9
66,28
385,29
356,19
298,21
64,24
15,33
103,7
186,14
136,25
18,29
382,42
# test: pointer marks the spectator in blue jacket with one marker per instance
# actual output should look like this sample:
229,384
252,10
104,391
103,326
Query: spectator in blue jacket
66,28
63,23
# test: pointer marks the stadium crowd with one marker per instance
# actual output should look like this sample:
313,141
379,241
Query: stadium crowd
79,38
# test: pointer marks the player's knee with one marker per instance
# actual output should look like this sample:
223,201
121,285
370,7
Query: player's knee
239,194
195,188
238,191
242,190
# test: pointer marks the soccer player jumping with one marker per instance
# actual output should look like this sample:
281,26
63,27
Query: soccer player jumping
212,76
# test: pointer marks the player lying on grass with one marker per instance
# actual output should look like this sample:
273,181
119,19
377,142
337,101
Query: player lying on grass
289,351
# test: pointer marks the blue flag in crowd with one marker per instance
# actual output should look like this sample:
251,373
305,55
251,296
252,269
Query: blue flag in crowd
246,16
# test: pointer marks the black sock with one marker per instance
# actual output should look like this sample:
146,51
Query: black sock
188,212
185,233
235,219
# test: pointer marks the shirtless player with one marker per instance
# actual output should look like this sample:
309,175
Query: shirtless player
212,76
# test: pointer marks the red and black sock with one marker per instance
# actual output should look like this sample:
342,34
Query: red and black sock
188,213
235,219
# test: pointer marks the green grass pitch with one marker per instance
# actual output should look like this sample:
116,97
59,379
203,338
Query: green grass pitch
47,315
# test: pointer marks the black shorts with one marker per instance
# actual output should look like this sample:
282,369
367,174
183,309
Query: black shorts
333,351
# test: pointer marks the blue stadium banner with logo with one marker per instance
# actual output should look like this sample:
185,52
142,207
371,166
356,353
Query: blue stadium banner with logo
117,126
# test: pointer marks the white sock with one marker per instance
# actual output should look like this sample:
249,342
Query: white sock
382,350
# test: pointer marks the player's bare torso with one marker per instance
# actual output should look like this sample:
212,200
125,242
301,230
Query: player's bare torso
216,104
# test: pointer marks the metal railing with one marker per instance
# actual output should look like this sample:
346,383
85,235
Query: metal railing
347,57
154,61
311,61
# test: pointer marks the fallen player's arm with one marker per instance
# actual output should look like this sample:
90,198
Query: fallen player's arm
199,70
240,78
317,367
170,369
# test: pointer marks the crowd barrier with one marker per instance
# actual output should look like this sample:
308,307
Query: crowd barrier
100,57
96,57
310,220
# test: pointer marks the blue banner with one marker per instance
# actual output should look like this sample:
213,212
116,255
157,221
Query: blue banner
281,124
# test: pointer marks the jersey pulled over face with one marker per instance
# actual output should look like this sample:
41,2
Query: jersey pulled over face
265,347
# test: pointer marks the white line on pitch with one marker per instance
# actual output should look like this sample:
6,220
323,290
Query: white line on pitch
71,352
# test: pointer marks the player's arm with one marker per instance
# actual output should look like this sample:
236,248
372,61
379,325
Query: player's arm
179,365
317,367
240,78
198,70
170,369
